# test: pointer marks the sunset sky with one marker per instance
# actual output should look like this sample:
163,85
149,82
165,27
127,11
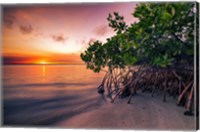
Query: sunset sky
56,34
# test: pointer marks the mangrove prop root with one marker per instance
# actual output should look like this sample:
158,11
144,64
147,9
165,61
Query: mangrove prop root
189,101
175,82
183,93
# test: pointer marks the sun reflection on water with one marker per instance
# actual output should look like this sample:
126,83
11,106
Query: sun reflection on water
43,72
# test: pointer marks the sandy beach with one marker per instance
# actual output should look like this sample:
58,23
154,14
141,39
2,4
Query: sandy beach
144,112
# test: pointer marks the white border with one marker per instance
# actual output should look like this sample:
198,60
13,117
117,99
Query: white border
11,2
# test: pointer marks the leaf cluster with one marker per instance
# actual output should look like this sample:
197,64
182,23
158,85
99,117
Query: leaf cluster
163,37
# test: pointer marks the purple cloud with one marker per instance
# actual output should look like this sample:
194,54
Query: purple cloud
9,20
101,30
26,29
59,38
91,40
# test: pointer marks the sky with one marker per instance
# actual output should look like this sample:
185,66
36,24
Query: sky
56,34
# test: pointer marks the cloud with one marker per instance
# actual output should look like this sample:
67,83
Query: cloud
15,59
59,38
101,30
91,40
26,29
85,42
9,20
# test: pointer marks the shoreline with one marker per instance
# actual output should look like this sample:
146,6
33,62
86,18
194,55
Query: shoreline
86,109
144,112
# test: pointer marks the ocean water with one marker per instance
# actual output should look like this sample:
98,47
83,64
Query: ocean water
46,94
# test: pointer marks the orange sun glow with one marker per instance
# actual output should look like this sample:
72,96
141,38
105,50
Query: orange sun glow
43,62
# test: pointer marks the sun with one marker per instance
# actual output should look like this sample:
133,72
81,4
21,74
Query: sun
43,62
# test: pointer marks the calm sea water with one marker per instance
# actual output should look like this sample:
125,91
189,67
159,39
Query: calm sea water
45,94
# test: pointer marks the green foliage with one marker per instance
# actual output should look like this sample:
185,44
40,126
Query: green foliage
165,29
163,37
117,23
94,57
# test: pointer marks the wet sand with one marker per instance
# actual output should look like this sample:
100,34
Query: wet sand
144,113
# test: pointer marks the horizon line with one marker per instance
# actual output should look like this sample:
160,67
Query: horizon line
43,64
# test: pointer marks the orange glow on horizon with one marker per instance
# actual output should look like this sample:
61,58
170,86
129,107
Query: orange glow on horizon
43,62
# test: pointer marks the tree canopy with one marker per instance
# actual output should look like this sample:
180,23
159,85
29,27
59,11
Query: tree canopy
163,37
